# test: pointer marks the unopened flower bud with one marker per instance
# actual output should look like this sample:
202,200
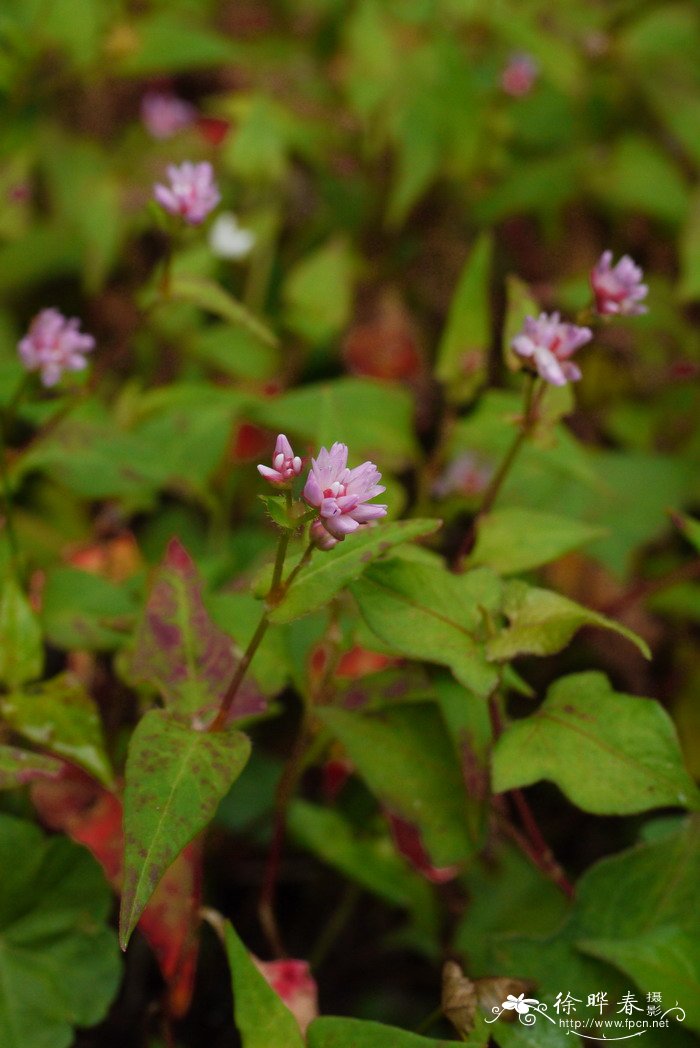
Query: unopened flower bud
285,464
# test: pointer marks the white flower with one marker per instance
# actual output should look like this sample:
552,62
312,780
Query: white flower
228,240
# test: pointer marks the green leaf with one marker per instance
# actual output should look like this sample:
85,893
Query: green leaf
175,778
21,647
318,292
235,352
164,43
610,754
177,648
632,895
329,573
514,540
639,176
276,509
60,716
405,757
369,860
638,910
426,612
508,896
465,341
82,610
212,298
468,722
328,1032
92,456
18,767
667,958
262,1018
59,963
375,419
542,623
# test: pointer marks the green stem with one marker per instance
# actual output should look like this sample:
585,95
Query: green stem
334,926
295,571
275,594
8,505
281,552
533,399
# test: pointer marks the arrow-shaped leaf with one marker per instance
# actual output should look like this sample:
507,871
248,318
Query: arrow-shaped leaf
175,778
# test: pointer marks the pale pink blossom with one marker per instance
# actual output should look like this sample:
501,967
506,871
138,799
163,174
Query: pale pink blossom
519,75
285,464
164,114
549,342
465,475
618,289
341,494
54,344
192,192
293,983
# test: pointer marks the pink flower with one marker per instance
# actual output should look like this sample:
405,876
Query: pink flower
293,982
550,343
618,289
321,538
519,75
163,115
285,464
192,192
340,493
53,345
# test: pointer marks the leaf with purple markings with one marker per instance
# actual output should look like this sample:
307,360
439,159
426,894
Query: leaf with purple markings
179,650
18,767
175,778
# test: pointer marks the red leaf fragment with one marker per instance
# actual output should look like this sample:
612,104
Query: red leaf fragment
91,815
408,840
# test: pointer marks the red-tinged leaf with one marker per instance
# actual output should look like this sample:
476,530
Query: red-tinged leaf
409,841
92,816
170,924
19,767
179,650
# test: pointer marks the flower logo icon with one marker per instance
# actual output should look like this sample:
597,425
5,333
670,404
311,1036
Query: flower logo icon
520,1004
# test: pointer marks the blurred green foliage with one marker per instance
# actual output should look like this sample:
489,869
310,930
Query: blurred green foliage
408,211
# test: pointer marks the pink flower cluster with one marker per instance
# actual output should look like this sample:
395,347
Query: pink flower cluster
338,493
192,192
549,343
54,344
618,289
341,494
163,114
